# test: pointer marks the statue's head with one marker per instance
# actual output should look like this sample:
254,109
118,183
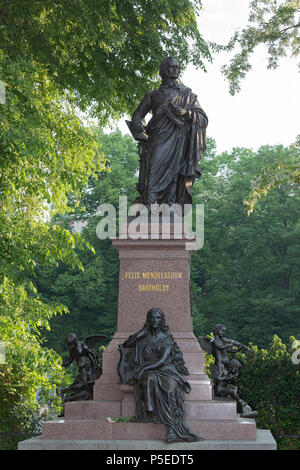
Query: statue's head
219,330
234,366
71,339
169,68
156,318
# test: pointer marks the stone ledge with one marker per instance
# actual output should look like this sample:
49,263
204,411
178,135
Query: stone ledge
264,441
88,429
195,409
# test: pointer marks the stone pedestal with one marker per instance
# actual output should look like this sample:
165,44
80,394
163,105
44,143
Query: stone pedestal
153,273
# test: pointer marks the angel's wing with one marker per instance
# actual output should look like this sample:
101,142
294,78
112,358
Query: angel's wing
214,372
91,340
205,344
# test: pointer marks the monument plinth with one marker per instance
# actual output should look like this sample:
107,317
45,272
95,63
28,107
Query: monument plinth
152,272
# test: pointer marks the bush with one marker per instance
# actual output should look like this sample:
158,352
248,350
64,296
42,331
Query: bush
269,382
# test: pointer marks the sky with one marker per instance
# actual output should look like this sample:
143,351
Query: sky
266,110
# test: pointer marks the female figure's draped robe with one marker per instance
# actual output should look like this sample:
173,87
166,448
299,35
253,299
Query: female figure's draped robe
170,159
159,393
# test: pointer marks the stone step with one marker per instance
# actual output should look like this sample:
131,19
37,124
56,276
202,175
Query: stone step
92,409
100,429
201,389
264,441
197,409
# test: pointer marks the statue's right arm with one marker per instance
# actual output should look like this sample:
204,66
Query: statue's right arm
141,111
219,344
68,361
131,341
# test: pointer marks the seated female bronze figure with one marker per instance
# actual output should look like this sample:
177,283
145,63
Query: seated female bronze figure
152,361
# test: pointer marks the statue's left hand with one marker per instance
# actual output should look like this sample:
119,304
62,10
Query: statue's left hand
180,111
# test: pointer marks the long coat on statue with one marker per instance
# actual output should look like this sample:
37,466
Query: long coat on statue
170,158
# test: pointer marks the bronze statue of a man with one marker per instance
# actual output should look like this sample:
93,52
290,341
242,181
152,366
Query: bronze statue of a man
172,143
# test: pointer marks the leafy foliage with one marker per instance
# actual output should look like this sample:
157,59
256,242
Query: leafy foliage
31,372
269,382
280,173
45,153
92,295
58,58
97,50
247,274
274,23
41,140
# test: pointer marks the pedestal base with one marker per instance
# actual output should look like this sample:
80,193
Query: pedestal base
153,273
93,429
263,441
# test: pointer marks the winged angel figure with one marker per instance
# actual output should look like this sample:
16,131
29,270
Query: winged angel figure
88,365
224,371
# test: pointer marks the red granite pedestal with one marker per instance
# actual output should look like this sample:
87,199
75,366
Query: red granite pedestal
153,273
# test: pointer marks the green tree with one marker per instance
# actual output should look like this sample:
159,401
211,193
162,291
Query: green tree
58,57
273,23
30,373
45,153
247,274
92,295
269,382
105,54
281,173
41,141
